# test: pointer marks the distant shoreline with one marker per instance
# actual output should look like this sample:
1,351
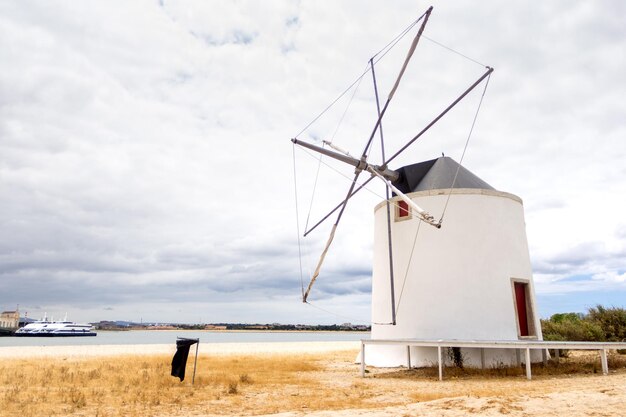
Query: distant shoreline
232,330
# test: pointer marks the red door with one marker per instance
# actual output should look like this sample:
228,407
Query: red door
522,316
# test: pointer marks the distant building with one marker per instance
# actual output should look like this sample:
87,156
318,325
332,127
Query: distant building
214,327
9,319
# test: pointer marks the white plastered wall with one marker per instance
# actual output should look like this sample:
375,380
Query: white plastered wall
453,282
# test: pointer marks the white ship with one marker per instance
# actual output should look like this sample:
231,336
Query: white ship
51,328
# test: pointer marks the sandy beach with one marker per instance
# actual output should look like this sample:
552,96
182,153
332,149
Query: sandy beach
85,351
326,384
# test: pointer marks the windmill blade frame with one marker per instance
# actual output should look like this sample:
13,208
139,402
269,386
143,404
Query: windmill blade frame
382,172
408,143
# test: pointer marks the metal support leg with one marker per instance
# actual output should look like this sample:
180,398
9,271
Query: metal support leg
362,359
557,355
482,358
605,363
439,362
408,357
193,379
544,356
528,376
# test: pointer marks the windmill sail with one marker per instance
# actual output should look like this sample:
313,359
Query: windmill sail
361,166
398,181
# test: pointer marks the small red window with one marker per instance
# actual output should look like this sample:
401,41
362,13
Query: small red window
403,208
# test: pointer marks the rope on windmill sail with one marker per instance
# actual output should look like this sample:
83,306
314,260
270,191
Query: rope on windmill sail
410,53
317,174
350,319
445,207
356,88
382,54
339,123
406,273
408,265
351,191
364,156
454,51
295,186
385,49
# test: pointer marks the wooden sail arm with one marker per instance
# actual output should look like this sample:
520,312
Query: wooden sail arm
409,143
319,264
358,164
335,147
410,52
423,214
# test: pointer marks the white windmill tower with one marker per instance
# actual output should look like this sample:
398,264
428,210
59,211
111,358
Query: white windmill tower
467,278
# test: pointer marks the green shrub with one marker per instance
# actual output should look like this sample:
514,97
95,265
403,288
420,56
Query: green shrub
561,317
570,327
599,325
611,320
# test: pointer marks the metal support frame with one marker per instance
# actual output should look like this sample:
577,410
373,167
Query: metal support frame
408,357
604,361
482,358
440,363
526,346
362,358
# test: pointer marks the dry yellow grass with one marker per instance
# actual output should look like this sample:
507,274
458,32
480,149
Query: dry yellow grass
142,386
250,385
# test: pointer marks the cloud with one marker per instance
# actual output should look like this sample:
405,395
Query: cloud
145,161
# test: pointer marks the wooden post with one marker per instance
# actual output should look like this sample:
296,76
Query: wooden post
439,362
193,379
528,376
362,359
518,360
408,356
544,356
605,363
482,358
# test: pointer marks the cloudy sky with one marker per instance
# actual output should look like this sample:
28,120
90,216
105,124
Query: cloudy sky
147,173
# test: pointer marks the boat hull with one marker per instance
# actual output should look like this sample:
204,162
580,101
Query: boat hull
77,334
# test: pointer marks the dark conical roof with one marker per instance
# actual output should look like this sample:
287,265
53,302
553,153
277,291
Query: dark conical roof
437,174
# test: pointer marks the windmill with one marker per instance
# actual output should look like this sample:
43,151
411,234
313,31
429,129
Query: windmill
434,288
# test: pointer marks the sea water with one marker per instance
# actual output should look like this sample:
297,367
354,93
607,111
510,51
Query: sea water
151,337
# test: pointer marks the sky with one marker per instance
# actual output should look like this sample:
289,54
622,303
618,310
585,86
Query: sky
147,173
